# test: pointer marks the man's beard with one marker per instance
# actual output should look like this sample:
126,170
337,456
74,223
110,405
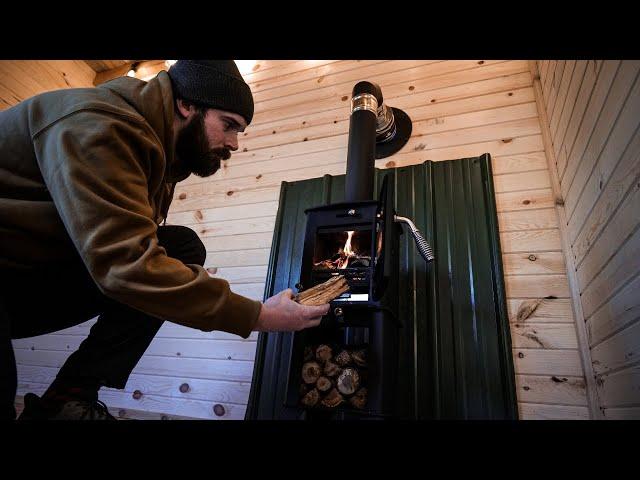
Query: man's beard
193,151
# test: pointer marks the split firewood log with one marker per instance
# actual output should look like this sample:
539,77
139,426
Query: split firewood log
311,371
323,384
311,398
323,353
348,381
359,357
359,400
333,399
343,358
331,369
323,293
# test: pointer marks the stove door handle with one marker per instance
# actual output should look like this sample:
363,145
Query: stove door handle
423,247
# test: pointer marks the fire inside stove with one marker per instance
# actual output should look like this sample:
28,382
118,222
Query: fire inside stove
338,250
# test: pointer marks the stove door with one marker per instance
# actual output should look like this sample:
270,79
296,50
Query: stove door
386,238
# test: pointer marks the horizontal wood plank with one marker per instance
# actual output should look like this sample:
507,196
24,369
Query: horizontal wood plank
556,310
528,241
551,389
623,193
618,351
544,335
534,411
547,362
617,272
519,286
620,389
616,313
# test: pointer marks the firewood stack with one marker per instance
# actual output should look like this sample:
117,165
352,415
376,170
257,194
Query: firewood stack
323,293
334,376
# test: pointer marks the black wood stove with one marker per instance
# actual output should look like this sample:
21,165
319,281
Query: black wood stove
354,351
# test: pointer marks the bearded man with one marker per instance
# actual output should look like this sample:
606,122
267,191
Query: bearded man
87,179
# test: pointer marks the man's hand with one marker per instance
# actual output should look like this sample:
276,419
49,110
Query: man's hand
281,314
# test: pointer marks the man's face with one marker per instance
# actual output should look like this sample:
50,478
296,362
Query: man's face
205,139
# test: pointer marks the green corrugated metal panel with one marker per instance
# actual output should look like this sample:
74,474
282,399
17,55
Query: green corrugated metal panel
455,351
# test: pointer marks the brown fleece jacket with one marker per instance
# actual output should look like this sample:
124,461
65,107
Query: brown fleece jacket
92,170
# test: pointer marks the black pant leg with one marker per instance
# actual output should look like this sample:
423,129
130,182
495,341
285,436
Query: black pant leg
50,299
122,334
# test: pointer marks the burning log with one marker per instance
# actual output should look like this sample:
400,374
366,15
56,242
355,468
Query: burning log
333,399
324,353
323,293
311,398
359,357
311,372
348,381
359,400
323,384
331,369
343,358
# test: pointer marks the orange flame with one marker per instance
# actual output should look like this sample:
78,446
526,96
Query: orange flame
347,251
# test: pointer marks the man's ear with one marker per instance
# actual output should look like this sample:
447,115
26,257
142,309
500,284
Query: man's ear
185,109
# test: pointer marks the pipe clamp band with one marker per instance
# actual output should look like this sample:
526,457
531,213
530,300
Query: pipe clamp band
364,101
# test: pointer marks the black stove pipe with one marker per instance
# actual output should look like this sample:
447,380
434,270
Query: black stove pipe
366,98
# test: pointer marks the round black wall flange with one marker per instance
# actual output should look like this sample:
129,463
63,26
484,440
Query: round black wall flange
400,139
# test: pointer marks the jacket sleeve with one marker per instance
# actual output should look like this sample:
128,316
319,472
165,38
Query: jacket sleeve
96,167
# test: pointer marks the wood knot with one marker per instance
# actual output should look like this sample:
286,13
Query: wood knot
559,202
335,121
481,62
526,388
558,380
520,355
305,139
245,149
390,164
184,388
198,215
256,67
526,202
507,140
510,94
420,146
182,196
411,88
320,79
137,395
229,193
433,100
345,98
259,176
274,132
218,410
532,257
304,123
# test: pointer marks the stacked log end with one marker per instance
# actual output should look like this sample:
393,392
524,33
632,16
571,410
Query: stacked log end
333,376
